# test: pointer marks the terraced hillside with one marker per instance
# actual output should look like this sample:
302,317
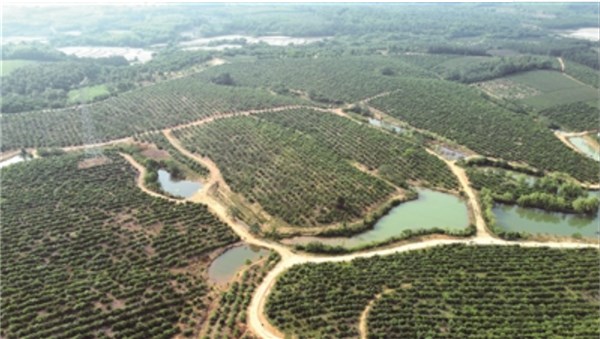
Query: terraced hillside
461,114
85,253
153,107
453,291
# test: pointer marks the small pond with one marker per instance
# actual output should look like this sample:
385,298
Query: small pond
179,188
431,209
536,221
225,267
584,146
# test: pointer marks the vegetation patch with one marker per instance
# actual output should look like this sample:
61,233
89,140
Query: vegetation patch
578,116
555,88
88,94
551,193
457,290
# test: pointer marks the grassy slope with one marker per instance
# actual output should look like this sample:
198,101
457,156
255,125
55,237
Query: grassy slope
87,94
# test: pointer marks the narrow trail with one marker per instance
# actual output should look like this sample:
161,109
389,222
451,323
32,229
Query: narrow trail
362,324
562,64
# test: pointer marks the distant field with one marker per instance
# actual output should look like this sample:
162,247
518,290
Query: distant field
554,87
87,94
10,65
327,80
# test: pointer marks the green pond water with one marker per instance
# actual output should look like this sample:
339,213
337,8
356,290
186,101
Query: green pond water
431,209
536,221
584,147
225,267
179,188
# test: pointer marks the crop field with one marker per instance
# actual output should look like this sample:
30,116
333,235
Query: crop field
450,291
85,253
87,94
326,80
153,107
397,159
290,175
460,113
555,88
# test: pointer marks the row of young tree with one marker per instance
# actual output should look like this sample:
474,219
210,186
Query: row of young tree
456,290
85,253
291,175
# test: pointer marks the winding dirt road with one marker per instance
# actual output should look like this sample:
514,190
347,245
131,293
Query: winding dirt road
257,320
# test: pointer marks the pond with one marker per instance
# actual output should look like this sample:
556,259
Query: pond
179,188
386,125
12,160
431,209
584,146
224,268
536,221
